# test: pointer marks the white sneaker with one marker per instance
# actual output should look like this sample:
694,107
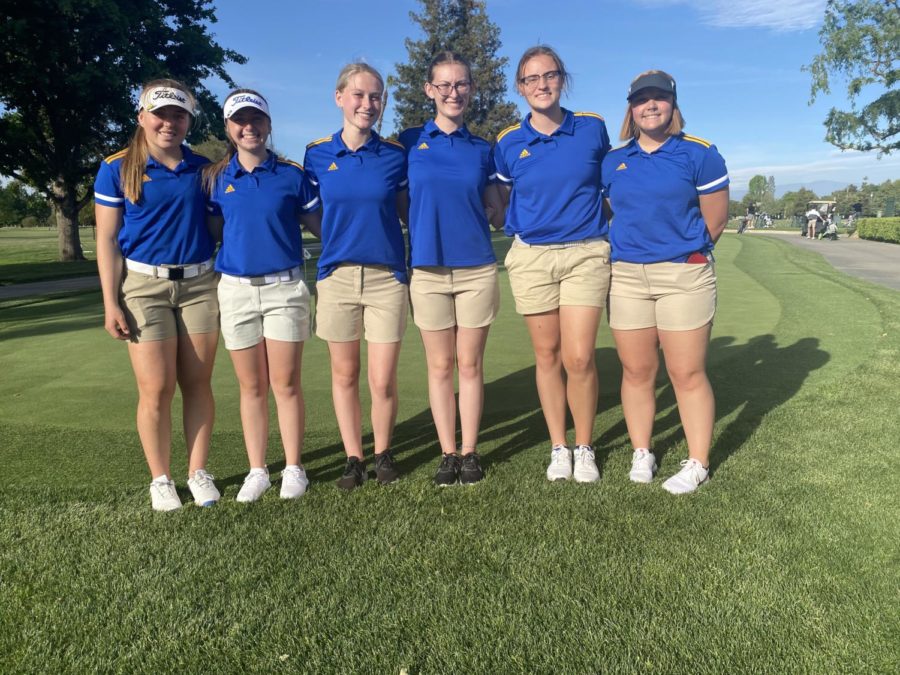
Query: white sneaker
586,470
293,482
255,484
691,476
643,466
203,488
163,496
560,463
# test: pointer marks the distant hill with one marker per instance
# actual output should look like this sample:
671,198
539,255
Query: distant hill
820,187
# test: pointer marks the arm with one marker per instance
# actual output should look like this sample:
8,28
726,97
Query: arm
403,206
215,224
607,209
110,264
496,198
714,209
312,221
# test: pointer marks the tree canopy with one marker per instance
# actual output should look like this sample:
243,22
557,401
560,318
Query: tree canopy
861,44
462,26
69,80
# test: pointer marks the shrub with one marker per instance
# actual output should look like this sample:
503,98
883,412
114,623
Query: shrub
879,229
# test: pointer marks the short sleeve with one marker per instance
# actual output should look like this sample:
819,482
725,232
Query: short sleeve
712,174
107,186
501,171
310,171
492,178
309,195
403,179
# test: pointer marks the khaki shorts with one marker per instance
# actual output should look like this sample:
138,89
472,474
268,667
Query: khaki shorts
158,309
357,297
669,296
544,277
278,311
443,297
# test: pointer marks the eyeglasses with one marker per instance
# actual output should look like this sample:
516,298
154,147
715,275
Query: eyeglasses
444,88
532,80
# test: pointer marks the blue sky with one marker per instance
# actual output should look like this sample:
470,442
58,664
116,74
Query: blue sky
737,64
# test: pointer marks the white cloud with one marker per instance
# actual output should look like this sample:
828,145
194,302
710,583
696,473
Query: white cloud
777,15
849,167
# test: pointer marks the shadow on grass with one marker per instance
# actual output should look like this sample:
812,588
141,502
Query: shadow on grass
753,378
57,313
19,273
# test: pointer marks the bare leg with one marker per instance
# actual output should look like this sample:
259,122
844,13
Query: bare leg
154,369
639,354
578,333
470,344
284,374
545,339
383,358
345,394
253,378
685,353
196,358
440,346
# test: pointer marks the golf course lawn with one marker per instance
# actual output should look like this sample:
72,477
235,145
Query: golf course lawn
786,561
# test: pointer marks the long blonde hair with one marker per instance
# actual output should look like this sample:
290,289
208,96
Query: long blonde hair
212,172
630,129
134,163
356,68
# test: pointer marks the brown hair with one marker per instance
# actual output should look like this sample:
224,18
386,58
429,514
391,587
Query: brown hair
676,124
544,50
212,172
134,164
445,57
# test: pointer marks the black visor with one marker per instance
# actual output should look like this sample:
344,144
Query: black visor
653,81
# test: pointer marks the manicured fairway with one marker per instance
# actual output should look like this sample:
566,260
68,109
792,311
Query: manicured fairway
787,561
30,254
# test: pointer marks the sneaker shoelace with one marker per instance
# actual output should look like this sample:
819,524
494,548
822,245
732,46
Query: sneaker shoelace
559,455
693,468
203,479
586,454
470,461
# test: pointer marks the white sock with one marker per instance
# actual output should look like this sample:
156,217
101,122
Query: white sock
161,479
256,470
292,466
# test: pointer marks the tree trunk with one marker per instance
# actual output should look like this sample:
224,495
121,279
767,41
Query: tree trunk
66,206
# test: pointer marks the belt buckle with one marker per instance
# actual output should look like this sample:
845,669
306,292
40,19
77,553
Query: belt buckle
175,273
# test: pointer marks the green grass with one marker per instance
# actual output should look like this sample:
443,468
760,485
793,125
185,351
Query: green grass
32,254
787,561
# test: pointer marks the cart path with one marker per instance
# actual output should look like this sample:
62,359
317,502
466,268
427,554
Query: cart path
874,261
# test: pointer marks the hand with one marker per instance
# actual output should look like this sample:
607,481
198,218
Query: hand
115,324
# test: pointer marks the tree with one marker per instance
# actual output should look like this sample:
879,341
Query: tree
462,26
17,203
69,80
861,43
795,203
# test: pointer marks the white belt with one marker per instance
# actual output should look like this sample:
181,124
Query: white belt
564,244
171,272
284,275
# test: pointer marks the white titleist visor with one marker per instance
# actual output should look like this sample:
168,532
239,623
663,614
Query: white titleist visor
244,100
159,97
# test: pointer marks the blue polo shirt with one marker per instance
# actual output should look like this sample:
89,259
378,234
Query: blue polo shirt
359,192
260,208
168,225
556,192
447,176
655,198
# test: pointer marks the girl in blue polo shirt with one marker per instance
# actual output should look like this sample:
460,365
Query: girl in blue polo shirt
559,262
362,280
454,290
262,293
669,195
159,289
